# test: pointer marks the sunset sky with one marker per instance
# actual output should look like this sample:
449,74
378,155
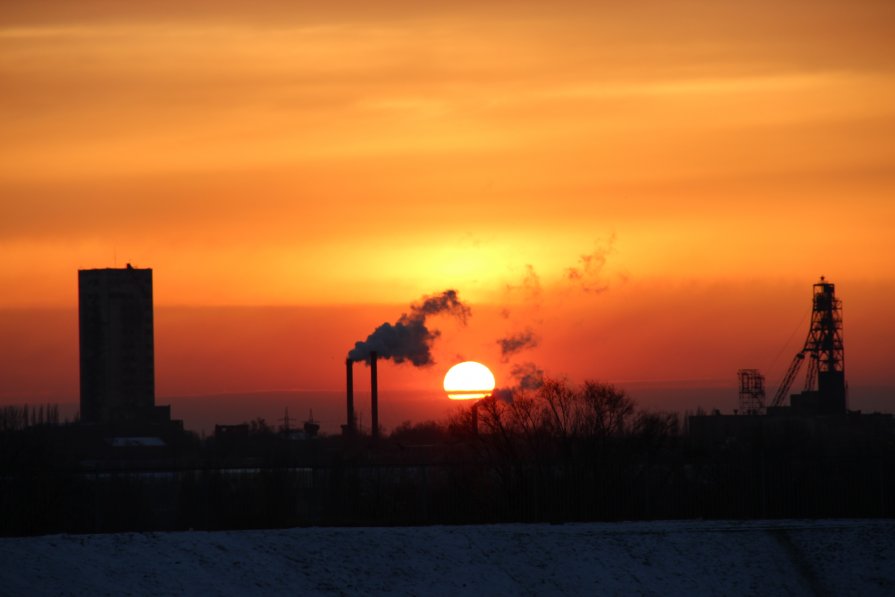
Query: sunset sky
648,188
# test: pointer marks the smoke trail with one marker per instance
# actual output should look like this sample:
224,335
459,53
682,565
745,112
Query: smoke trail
530,286
589,272
408,339
528,376
514,343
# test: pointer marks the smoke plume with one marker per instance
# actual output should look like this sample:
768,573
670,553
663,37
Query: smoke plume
528,376
530,286
408,339
588,274
515,343
529,289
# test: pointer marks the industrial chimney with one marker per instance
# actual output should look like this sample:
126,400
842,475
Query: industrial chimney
374,394
350,426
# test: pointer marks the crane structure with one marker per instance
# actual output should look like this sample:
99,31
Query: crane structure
752,392
825,388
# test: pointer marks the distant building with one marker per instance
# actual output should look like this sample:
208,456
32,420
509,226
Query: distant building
231,432
116,347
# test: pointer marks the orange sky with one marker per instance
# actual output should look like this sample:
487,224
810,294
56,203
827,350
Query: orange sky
716,156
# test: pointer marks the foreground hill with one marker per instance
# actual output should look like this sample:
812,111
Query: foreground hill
701,558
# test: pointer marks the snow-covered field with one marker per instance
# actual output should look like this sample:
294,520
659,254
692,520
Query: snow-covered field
659,558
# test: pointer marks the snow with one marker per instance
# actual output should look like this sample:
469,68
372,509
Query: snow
638,558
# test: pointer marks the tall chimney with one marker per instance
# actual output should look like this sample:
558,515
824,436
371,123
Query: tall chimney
350,426
374,394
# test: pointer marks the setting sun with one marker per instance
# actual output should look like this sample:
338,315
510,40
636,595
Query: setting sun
468,381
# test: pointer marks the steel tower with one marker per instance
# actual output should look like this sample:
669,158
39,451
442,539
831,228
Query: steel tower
825,389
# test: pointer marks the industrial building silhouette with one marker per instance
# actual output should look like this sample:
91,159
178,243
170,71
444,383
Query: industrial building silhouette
127,467
825,390
117,349
821,407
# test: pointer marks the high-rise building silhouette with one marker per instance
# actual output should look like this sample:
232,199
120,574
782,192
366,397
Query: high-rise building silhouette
117,351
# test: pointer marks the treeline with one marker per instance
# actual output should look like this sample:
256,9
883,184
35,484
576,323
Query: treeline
563,452
15,417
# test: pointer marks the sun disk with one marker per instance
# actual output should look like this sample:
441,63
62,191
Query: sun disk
468,381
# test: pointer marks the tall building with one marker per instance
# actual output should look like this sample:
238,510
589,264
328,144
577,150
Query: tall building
117,347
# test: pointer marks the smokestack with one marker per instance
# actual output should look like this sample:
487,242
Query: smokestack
374,394
350,427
